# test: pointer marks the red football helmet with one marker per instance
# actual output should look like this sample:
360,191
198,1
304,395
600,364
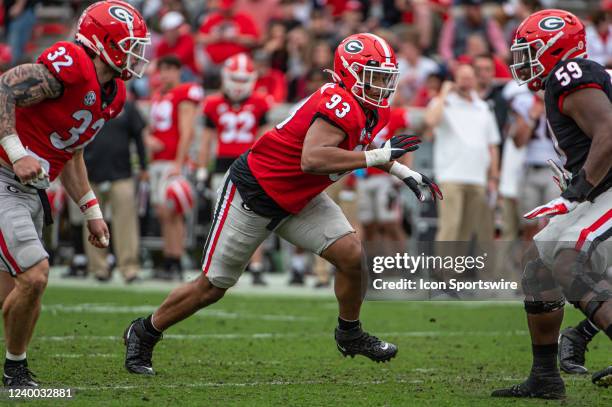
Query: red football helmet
179,195
541,41
116,32
365,64
238,77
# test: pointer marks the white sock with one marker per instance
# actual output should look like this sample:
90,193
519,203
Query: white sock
15,358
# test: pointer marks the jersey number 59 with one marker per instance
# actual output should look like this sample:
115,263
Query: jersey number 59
565,78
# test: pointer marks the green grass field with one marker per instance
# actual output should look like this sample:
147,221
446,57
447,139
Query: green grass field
264,351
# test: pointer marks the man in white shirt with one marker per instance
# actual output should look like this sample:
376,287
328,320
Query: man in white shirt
537,186
466,158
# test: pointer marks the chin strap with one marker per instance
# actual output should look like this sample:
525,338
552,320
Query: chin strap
335,77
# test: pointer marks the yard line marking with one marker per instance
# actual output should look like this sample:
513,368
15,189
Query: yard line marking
110,308
271,335
85,355
249,384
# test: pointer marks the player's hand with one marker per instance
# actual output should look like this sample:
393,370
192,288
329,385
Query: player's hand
154,144
415,180
175,170
29,170
99,236
555,207
201,175
401,144
561,177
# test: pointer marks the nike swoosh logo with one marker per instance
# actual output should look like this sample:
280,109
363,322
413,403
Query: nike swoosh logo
342,348
385,346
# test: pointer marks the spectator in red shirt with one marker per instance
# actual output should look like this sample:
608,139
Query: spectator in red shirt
178,41
226,32
270,82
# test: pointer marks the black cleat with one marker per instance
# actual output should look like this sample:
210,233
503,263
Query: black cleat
259,280
18,376
139,348
297,278
550,387
358,342
603,378
572,347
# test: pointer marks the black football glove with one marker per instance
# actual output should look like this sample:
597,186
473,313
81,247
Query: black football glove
415,180
401,144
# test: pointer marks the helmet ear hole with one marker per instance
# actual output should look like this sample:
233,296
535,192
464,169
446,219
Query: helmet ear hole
557,51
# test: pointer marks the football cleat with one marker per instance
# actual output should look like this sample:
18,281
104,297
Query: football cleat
548,387
358,342
572,347
603,378
139,348
19,376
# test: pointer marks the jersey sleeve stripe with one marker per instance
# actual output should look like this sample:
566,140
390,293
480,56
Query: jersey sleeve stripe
570,91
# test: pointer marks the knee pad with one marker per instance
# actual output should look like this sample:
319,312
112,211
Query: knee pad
583,283
534,285
544,307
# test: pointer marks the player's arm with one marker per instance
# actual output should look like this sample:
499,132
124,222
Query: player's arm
75,181
592,111
321,154
24,85
186,119
208,134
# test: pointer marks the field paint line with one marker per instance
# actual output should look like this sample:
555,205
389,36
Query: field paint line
102,308
456,303
271,335
120,355
248,384
84,355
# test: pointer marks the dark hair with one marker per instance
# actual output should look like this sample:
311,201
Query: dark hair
486,55
169,61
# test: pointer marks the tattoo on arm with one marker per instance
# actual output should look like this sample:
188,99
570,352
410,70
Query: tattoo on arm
24,85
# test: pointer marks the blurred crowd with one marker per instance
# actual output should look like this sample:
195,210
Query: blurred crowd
488,143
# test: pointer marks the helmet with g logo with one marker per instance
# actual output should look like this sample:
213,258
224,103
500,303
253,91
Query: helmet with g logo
541,41
116,32
365,65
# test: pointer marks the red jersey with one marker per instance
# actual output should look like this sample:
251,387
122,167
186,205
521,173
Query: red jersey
227,27
275,159
54,129
398,120
237,124
165,120
183,48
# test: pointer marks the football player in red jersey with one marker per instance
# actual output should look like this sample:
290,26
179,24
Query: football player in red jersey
574,250
50,111
278,185
236,117
173,113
